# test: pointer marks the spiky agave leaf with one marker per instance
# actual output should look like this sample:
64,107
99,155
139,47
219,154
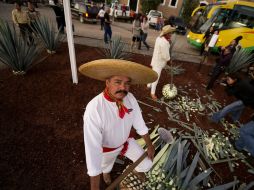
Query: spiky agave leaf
47,33
14,50
116,49
241,58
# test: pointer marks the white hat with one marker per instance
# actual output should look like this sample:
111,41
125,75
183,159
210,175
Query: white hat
167,29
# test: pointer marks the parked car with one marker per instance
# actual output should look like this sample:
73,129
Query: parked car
153,16
116,10
178,22
86,12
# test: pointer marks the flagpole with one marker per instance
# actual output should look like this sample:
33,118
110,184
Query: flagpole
68,21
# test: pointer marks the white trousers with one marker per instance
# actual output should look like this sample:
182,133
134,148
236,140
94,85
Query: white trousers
133,152
154,84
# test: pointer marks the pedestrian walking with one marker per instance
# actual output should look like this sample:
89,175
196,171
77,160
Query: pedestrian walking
101,16
144,32
107,26
59,12
223,61
21,19
136,29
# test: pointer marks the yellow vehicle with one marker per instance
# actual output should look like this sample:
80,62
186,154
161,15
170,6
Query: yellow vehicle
232,19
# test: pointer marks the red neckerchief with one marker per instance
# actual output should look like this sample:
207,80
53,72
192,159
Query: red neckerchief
168,39
121,108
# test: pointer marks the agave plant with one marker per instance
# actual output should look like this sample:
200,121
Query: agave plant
174,168
14,50
171,170
46,32
116,49
241,59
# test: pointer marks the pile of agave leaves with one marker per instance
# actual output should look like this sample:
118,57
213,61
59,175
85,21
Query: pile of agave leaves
175,166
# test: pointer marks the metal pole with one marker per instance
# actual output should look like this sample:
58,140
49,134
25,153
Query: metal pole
67,14
137,6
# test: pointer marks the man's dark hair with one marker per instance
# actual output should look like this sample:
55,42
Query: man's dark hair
18,3
234,76
238,38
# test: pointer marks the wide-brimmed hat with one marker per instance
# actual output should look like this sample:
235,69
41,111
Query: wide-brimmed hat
167,29
103,69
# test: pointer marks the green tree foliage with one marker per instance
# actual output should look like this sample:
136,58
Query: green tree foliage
148,5
188,8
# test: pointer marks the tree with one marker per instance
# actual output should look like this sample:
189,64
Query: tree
188,8
148,5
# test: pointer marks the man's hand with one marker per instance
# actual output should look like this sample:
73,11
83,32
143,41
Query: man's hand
150,147
150,152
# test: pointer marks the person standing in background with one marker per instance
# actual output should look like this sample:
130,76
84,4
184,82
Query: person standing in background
158,22
223,61
60,19
101,16
144,32
21,19
161,55
107,26
32,13
207,38
124,10
136,28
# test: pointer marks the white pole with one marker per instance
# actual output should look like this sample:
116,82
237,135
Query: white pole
137,6
68,21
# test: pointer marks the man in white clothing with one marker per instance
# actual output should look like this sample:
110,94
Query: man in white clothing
109,117
101,16
161,55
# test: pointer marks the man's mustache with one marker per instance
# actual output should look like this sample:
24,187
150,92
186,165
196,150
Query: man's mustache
122,91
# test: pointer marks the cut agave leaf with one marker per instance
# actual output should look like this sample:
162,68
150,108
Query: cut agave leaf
225,186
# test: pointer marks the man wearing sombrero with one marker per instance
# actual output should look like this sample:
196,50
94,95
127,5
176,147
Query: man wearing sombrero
161,55
109,117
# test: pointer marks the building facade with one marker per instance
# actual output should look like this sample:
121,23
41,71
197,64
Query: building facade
167,7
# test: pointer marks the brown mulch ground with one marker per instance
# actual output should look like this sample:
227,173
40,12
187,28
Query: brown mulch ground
41,136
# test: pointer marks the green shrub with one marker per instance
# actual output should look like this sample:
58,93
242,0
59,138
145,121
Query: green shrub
15,51
46,32
242,58
116,49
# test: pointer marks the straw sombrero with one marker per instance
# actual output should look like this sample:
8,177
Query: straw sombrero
103,69
167,29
